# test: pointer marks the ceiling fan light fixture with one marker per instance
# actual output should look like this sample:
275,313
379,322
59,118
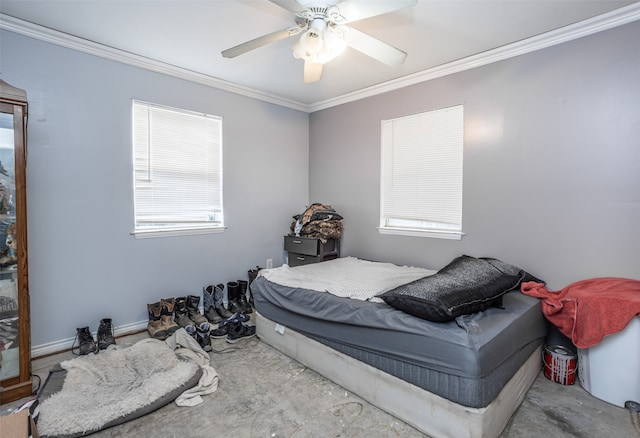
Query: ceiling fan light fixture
309,44
333,47
319,44
312,41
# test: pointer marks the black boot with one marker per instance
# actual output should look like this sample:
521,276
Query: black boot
207,303
243,296
233,292
181,315
193,309
85,340
105,334
218,301
237,331
253,274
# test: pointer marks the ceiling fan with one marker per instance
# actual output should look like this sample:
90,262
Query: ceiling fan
325,33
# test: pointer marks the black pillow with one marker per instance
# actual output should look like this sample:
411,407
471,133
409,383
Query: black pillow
513,270
466,285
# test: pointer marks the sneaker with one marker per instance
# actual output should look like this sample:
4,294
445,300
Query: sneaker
238,317
219,332
237,331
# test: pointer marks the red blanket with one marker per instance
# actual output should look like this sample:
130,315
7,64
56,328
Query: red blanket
589,310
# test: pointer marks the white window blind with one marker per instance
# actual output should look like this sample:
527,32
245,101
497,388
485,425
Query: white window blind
421,174
177,169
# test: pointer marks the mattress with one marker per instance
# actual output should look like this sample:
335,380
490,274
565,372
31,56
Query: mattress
467,361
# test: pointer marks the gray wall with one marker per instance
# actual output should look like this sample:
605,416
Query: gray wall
550,175
551,162
84,264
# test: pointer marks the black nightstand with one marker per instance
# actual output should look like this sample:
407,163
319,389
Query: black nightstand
303,250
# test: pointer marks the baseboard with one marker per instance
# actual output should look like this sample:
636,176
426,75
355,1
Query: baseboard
66,344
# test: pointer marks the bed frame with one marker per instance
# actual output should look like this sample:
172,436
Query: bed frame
427,412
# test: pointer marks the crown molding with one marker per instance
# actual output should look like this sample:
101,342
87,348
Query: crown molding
571,32
72,42
574,31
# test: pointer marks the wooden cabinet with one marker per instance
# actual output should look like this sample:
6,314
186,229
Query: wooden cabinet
303,250
15,334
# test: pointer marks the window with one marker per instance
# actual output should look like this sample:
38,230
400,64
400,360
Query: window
177,168
421,174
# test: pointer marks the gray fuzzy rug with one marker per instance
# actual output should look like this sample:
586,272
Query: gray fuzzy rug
113,386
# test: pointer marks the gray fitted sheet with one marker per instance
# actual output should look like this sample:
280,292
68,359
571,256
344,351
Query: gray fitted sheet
467,360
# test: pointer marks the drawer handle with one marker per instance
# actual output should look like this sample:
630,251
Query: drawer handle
297,241
302,259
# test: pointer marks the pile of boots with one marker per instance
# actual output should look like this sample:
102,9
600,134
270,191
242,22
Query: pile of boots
229,322
213,301
169,314
87,344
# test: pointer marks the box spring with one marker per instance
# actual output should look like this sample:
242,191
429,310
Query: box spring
429,413
467,361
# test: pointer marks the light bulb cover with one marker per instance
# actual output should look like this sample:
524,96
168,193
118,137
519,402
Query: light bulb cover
319,44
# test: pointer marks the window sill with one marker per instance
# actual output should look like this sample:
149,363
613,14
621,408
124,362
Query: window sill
173,232
452,235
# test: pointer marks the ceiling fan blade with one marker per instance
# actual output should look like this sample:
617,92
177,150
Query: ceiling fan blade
373,47
312,72
261,41
352,10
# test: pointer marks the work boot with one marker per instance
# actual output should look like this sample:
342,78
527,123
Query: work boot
243,296
105,334
167,307
193,309
155,328
207,304
237,331
85,340
218,301
181,315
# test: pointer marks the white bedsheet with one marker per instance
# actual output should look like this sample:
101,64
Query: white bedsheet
347,277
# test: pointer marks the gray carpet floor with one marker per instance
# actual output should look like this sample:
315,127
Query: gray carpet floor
263,393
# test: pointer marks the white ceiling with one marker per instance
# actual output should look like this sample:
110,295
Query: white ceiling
190,34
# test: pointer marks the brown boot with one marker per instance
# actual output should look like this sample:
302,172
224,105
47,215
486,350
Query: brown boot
166,315
155,328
